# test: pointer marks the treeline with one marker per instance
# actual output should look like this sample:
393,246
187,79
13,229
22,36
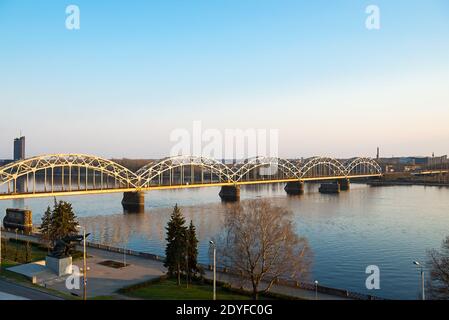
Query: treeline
181,252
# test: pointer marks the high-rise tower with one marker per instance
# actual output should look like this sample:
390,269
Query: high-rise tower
19,148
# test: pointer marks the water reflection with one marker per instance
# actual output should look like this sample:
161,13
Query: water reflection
388,227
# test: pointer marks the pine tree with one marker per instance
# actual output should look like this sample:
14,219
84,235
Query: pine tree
28,254
63,221
45,227
192,250
175,251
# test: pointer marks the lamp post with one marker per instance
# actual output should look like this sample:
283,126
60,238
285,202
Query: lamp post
124,256
17,241
187,262
214,247
0,247
416,263
84,264
316,289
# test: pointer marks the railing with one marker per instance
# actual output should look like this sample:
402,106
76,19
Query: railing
125,251
285,282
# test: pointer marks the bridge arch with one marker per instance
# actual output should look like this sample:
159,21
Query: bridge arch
13,171
285,166
360,166
324,164
155,170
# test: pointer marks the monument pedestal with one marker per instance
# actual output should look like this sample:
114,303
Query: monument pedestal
60,266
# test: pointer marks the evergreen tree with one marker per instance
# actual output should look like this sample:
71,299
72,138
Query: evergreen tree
192,250
175,251
63,221
28,252
45,227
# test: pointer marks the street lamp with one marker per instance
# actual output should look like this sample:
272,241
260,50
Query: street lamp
416,263
316,289
124,256
0,247
214,247
84,264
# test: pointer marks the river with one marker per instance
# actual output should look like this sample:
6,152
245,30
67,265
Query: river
385,226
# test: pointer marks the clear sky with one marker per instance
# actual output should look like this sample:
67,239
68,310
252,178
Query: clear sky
136,70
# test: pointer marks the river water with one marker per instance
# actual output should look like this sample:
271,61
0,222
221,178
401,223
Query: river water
386,226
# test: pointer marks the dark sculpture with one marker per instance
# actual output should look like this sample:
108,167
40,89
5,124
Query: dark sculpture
65,246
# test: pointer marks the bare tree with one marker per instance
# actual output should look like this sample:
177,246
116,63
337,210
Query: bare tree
259,243
438,262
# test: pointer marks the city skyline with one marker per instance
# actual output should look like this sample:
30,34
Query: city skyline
132,74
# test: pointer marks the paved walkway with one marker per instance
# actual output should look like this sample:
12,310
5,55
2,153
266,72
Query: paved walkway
279,289
105,281
14,291
6,296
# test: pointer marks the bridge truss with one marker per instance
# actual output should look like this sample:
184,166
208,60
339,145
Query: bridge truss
57,174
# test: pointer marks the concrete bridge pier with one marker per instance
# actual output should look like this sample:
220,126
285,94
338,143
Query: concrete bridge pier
230,193
344,184
294,188
330,188
134,201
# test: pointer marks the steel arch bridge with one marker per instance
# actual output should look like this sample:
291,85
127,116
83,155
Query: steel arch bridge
77,174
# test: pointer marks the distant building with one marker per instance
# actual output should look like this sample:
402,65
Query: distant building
437,161
4,162
19,148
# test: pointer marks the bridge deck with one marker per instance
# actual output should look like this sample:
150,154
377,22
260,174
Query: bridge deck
43,194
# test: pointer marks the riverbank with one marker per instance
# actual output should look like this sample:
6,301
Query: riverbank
105,281
386,183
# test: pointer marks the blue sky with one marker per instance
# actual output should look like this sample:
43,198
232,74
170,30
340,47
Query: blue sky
136,70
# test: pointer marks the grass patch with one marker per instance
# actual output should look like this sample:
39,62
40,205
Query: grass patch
20,252
168,289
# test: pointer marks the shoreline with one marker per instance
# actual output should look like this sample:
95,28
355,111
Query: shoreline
406,183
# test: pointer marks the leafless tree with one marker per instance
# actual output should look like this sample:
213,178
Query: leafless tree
260,244
438,262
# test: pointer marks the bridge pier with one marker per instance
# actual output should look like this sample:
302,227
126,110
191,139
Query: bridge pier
230,193
345,184
294,188
329,188
134,201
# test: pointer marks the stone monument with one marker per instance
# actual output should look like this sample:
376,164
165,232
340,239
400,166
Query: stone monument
59,260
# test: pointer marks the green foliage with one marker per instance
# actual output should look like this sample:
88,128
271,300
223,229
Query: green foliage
59,222
192,250
182,247
46,223
21,251
168,288
176,243
28,256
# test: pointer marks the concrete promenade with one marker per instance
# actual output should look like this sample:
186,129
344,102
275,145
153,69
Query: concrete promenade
13,291
105,281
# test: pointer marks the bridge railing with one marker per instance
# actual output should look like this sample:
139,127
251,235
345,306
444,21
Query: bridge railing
284,282
76,172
